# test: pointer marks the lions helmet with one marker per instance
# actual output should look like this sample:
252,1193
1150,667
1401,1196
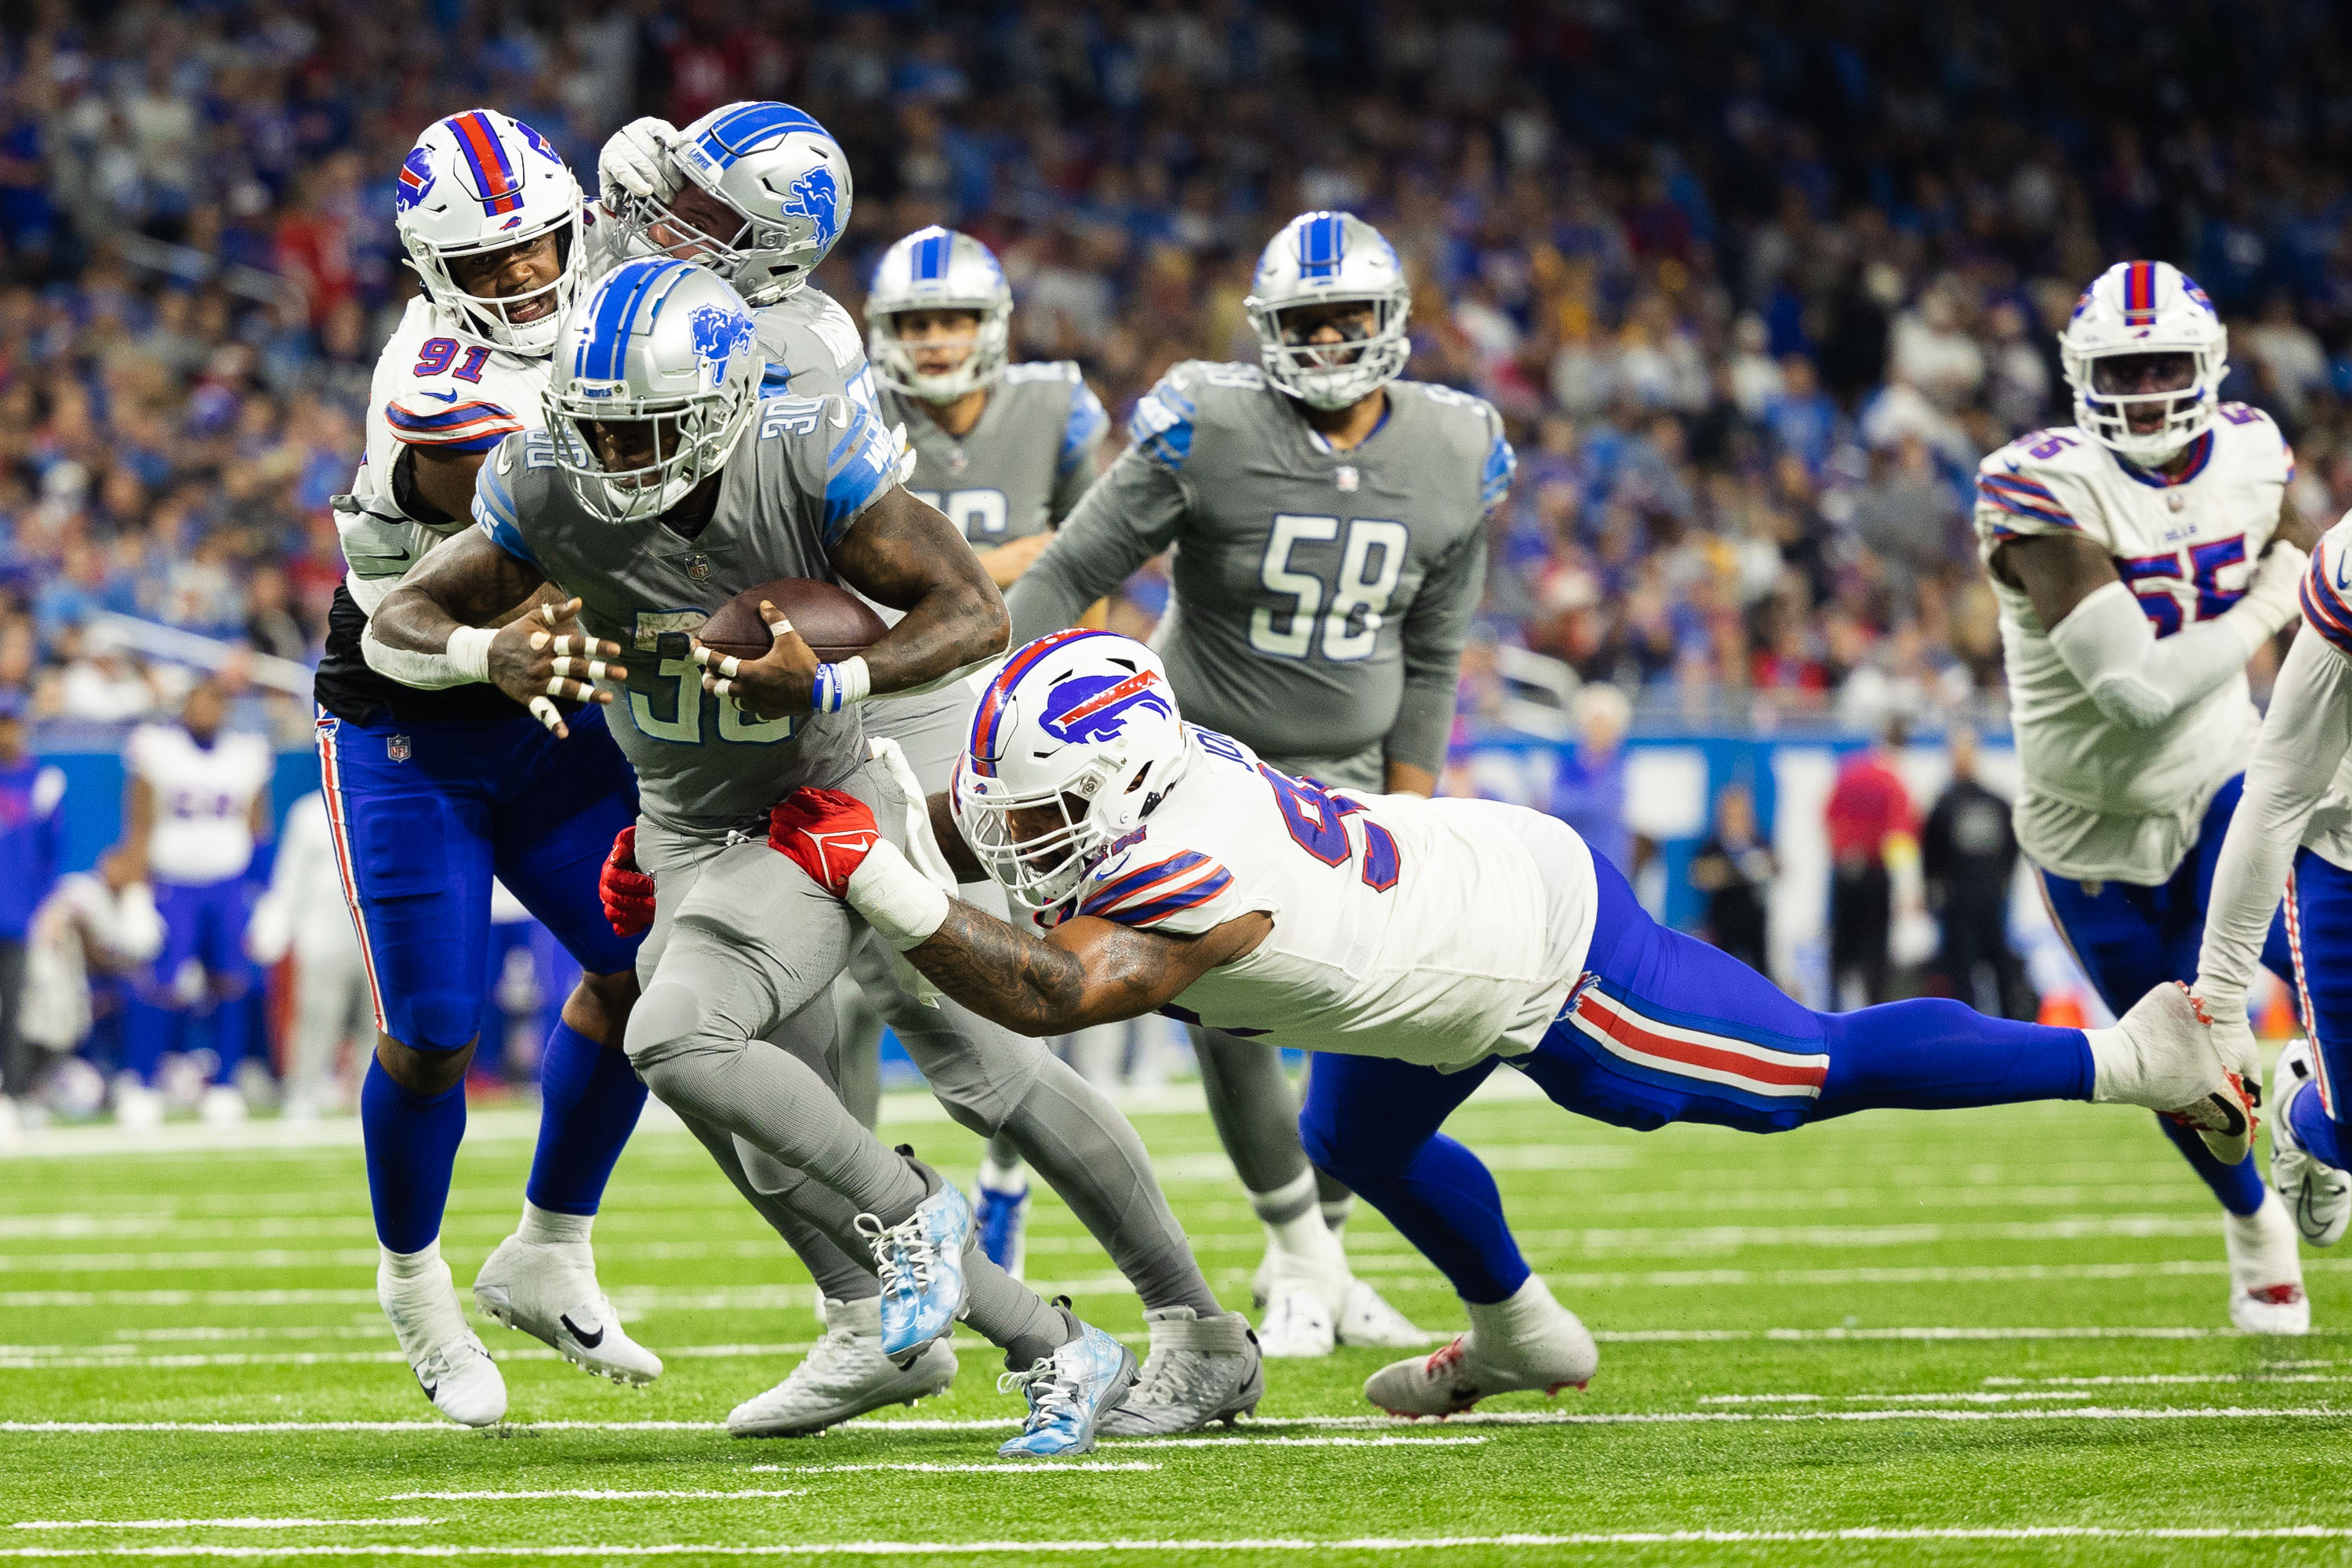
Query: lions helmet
939,269
780,174
1321,259
656,378
1079,730
478,184
2145,349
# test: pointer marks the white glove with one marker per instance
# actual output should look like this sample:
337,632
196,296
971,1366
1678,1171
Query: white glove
636,162
2277,582
2233,1036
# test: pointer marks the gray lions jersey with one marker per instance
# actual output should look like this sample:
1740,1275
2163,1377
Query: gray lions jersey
1023,468
1322,597
801,473
813,350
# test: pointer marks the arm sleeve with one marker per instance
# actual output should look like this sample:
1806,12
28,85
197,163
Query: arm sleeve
1076,466
1130,515
424,671
2140,679
2304,740
1436,627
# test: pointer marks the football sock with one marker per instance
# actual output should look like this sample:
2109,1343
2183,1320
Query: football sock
548,1228
1521,1322
1295,1231
2238,1188
2314,1128
589,1100
231,1023
1444,1201
1336,1210
148,1032
1939,1054
411,1143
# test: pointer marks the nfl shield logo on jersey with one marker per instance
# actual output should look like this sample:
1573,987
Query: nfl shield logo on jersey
396,748
698,567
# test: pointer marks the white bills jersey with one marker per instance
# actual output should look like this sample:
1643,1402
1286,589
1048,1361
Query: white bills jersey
1436,931
204,800
2328,615
2102,800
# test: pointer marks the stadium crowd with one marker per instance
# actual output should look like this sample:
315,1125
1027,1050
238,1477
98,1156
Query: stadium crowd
1754,293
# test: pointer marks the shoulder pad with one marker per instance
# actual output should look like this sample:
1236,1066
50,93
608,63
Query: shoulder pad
2014,491
1157,889
2328,587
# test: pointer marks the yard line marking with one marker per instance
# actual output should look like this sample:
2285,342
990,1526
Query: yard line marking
2145,1379
81,1358
1971,1274
1008,1468
587,1494
1964,1396
1706,1336
1197,1546
404,1519
1291,1442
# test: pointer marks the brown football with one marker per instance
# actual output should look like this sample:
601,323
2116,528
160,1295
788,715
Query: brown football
834,622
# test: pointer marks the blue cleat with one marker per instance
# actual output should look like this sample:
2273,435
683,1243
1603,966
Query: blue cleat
920,1265
1069,1392
1003,1216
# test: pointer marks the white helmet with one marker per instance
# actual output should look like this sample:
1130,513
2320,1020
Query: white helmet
1316,260
480,182
662,344
1082,724
939,269
779,172
2138,309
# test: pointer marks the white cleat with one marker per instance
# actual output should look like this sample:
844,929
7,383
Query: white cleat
2265,1272
2163,1055
1296,1325
137,1108
222,1105
451,1365
1553,1351
2318,1197
1200,1371
1368,1319
845,1376
548,1291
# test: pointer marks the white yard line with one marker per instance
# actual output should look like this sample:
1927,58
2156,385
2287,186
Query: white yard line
1008,1467
403,1520
590,1494
76,1359
1964,1396
2159,1379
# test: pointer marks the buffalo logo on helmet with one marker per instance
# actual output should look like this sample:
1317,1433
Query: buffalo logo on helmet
416,178
1095,707
720,335
816,196
538,143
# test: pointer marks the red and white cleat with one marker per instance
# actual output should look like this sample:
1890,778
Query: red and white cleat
1526,1343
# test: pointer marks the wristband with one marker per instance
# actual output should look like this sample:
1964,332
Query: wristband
470,652
837,686
902,905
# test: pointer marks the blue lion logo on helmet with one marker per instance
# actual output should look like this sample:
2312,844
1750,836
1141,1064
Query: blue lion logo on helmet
1095,707
816,195
720,335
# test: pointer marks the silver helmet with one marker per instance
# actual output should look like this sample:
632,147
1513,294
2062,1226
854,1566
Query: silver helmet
655,377
1324,258
939,269
780,175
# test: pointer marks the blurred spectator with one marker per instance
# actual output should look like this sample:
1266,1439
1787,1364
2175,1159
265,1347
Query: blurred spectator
1967,855
1734,868
1589,792
1869,822
31,834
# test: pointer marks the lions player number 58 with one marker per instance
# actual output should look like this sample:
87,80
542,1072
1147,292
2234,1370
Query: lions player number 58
1370,565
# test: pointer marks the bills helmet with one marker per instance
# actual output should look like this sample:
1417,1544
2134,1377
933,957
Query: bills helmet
2145,355
478,184
1324,258
1073,744
654,379
939,269
779,175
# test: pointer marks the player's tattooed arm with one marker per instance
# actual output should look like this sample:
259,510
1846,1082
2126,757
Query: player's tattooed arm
2056,571
1087,971
470,581
902,553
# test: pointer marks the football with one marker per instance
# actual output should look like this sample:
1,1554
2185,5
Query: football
834,622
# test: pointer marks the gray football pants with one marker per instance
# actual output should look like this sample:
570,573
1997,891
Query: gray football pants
733,1031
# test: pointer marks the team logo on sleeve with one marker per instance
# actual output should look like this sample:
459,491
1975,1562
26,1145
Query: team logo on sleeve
817,197
1095,708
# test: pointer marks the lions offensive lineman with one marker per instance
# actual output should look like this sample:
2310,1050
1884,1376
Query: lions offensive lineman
1422,942
664,487
434,781
2139,555
1330,525
1005,451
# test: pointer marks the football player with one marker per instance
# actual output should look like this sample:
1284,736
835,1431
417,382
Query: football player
664,487
2292,832
1329,521
198,800
1161,865
1004,451
2139,555
436,780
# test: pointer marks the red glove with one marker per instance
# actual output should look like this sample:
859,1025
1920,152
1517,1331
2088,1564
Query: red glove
826,833
627,892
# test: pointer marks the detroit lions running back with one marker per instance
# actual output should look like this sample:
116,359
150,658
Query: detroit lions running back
1419,943
2139,555
1330,520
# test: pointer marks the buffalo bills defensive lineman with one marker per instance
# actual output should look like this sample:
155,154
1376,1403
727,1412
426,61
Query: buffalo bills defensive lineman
435,781
2139,555
1420,942
1329,521
663,486
2292,832
198,799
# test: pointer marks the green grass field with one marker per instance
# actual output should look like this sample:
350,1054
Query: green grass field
1989,1337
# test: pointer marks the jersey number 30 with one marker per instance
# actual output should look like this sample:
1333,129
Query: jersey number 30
1349,611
